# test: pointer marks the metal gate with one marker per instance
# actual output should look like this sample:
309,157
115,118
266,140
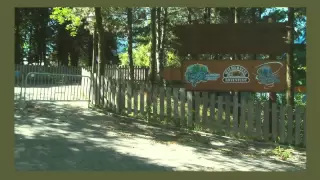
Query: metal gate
55,87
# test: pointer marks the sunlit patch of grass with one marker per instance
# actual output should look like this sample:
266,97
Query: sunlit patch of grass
282,153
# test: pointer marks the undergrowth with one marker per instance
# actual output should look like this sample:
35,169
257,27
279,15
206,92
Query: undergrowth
282,153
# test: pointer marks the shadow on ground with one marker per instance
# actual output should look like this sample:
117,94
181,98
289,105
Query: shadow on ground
56,153
76,138
61,146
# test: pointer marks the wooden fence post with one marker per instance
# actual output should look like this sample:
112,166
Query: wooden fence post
250,117
118,94
161,99
282,127
228,112
169,107
258,122
142,90
129,97
175,106
290,124
212,109
182,98
305,127
274,119
154,100
297,125
235,113
242,125
190,108
149,99
135,100
266,131
204,118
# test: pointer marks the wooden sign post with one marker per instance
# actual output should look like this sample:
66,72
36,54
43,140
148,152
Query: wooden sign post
235,75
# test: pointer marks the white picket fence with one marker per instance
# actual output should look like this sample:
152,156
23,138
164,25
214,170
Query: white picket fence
208,112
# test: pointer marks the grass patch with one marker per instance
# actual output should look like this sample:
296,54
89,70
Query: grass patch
282,153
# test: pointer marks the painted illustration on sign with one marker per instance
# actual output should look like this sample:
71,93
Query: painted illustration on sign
266,76
236,74
304,98
197,73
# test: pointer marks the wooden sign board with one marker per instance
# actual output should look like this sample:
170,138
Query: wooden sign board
172,74
236,75
300,89
260,38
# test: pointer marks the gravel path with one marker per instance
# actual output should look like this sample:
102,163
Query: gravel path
68,136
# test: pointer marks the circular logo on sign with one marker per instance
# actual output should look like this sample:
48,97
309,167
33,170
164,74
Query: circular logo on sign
236,74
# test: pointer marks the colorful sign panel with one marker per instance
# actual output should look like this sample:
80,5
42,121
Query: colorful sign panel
235,75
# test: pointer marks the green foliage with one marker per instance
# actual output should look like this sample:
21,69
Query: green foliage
173,60
298,97
66,15
281,98
299,67
141,56
282,153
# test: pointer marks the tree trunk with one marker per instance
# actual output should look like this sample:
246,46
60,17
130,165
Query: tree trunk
154,45
193,56
30,60
74,53
162,59
260,12
190,12
235,13
43,44
289,60
101,58
189,16
62,44
254,21
18,59
159,32
207,15
272,95
94,49
94,64
36,36
90,51
207,20
129,16
236,20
